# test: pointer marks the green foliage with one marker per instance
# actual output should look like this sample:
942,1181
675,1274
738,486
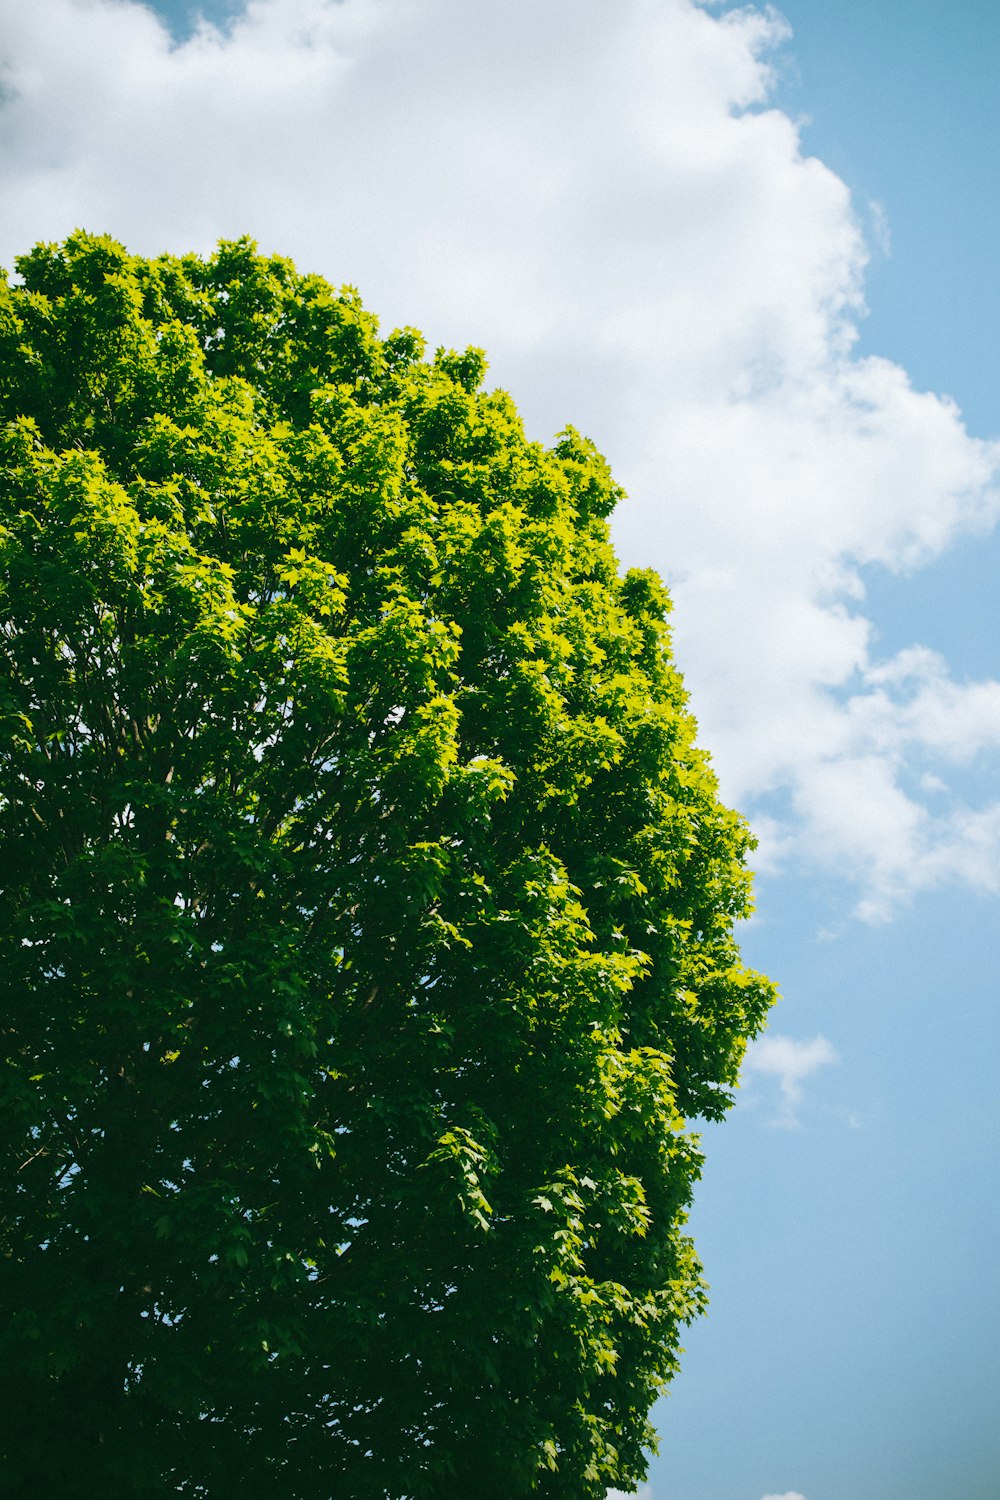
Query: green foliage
366,911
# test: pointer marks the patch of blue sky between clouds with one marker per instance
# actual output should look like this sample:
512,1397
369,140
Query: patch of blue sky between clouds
183,17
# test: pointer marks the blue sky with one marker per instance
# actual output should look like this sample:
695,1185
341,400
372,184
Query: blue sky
851,1350
756,260
902,100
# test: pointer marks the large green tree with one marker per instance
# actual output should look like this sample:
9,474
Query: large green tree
366,912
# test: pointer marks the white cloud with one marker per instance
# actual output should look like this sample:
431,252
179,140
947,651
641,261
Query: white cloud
602,196
788,1495
790,1062
880,228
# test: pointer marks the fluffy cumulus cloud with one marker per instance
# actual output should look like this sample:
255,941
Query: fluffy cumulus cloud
604,197
789,1063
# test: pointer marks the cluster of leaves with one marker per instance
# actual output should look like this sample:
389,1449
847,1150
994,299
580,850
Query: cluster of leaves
366,911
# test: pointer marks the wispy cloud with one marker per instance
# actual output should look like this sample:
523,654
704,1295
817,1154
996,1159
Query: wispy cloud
790,1062
880,228
788,1495
606,199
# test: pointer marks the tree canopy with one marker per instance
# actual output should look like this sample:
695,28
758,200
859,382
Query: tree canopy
366,911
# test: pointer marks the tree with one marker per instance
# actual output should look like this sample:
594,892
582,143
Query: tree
366,911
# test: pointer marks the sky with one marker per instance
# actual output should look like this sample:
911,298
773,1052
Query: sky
752,253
